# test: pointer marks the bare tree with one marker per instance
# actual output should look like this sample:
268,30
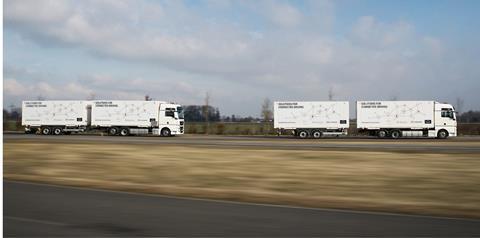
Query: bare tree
394,98
91,96
267,112
459,105
330,94
267,115
206,112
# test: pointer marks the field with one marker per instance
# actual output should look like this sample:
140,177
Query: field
407,181
252,128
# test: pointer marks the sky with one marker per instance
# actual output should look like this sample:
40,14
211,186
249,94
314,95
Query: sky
242,52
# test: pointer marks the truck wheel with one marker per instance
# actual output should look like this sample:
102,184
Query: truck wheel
382,134
442,134
112,131
303,134
57,131
124,132
395,134
166,132
46,131
31,131
317,134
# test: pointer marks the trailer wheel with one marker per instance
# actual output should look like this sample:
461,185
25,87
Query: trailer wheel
46,131
57,131
124,131
395,134
303,134
166,132
317,134
442,134
382,134
112,131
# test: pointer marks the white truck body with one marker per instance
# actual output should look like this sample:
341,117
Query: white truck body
395,114
406,118
327,117
114,117
54,113
125,113
137,115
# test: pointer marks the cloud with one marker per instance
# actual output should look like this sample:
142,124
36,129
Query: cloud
285,15
42,89
368,31
242,50
13,88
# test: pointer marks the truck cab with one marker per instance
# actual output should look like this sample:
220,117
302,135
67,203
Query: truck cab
445,121
170,119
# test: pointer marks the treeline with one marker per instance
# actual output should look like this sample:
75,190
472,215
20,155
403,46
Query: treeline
198,113
14,114
469,117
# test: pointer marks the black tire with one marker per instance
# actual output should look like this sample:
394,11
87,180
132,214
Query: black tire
57,131
166,132
124,131
303,134
317,134
442,134
395,134
382,134
46,130
112,131
31,131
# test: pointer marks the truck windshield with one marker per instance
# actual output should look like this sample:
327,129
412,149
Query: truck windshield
448,113
180,112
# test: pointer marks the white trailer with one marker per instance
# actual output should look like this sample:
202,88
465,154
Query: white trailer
312,119
115,117
397,119
54,117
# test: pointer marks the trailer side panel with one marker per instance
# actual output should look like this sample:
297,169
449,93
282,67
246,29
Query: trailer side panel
54,113
395,114
302,114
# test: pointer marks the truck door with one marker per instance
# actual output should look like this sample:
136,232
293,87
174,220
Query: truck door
166,116
446,119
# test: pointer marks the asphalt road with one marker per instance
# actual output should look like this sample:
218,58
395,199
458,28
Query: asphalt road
46,210
451,145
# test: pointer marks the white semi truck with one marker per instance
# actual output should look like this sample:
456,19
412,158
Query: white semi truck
397,119
114,117
312,119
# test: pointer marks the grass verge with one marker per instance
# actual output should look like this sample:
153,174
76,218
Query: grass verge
417,183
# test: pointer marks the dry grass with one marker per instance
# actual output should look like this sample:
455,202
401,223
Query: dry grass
437,184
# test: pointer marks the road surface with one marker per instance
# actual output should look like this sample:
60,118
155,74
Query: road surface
46,210
451,145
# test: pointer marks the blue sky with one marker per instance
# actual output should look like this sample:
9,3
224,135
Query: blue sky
242,51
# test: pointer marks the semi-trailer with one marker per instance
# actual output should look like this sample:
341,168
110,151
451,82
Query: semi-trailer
397,119
312,118
114,117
